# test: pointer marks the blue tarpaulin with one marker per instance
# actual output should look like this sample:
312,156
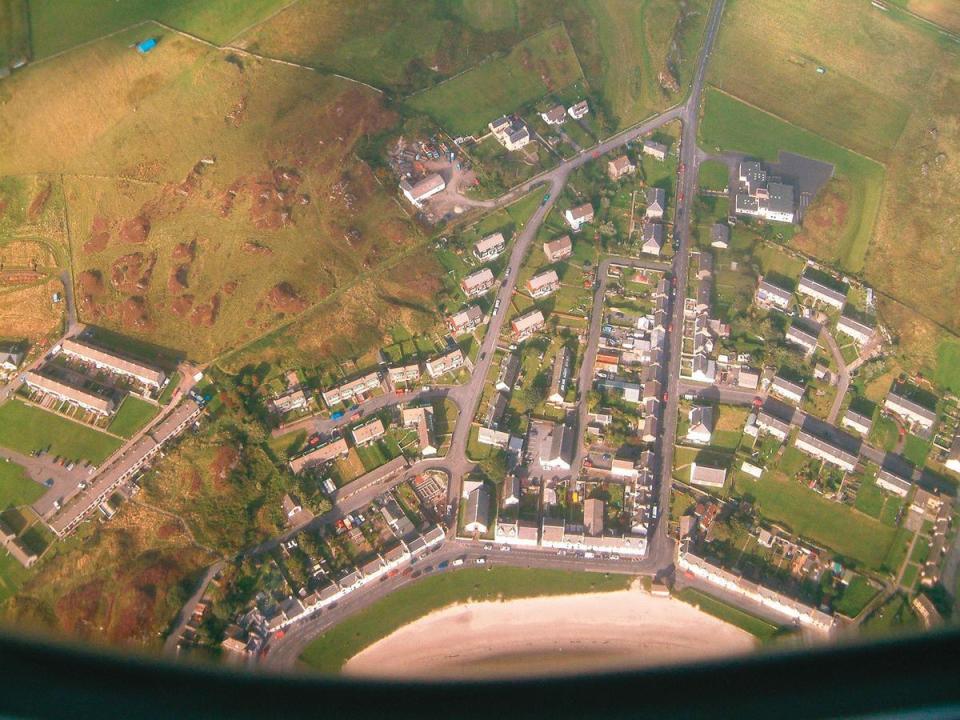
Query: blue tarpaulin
145,46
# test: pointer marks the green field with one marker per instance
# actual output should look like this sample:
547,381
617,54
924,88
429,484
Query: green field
713,175
855,597
132,415
729,124
537,66
810,515
916,450
330,651
948,364
24,428
758,627
15,487
57,25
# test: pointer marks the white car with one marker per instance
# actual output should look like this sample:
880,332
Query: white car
481,561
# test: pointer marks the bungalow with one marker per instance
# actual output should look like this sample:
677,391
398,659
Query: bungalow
578,216
560,378
509,372
787,390
818,291
421,419
511,132
465,320
622,468
701,424
320,455
770,295
655,149
797,335
656,203
423,189
555,115
67,393
368,432
291,506
476,515
352,389
707,476
496,438
720,235
496,407
546,283
10,357
909,410
578,110
895,484
652,238
619,167
490,247
748,378
772,426
446,363
559,249
826,451
630,391
477,283
856,421
526,325
404,373
859,331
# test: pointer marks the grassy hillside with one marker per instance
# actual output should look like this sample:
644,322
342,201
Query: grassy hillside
14,32
58,25
193,256
464,105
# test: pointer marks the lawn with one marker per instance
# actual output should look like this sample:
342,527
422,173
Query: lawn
713,175
12,575
884,433
24,428
829,523
16,488
465,104
132,415
894,614
330,651
758,627
855,597
916,450
57,25
729,124
870,499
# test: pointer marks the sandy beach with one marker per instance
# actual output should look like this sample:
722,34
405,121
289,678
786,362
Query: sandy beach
550,635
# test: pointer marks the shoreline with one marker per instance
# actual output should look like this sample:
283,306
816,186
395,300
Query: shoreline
556,635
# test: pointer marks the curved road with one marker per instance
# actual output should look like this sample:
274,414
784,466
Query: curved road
467,397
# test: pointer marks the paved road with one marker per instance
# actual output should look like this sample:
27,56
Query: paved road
469,395
284,652
843,375
186,612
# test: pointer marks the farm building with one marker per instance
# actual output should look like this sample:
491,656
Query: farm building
423,189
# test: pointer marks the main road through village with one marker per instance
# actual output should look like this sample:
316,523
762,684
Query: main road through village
466,397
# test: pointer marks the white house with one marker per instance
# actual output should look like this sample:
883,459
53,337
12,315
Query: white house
701,424
489,247
859,331
909,410
818,291
423,189
578,216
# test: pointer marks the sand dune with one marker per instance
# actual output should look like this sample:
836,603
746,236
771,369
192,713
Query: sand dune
550,635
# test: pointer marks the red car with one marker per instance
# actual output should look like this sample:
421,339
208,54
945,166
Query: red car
665,396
